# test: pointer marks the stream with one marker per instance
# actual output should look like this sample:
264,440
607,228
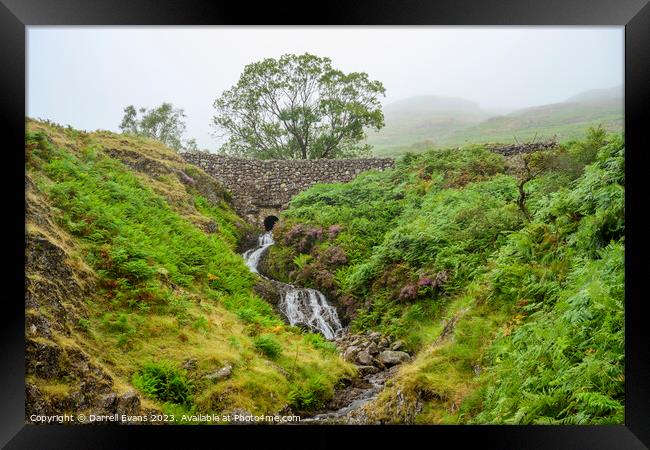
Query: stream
301,306
310,308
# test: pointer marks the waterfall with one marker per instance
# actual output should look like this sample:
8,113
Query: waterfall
301,306
252,256
309,307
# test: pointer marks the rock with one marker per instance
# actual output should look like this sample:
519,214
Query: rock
128,403
211,227
365,370
107,402
364,358
397,345
190,364
43,359
373,349
34,402
350,353
391,357
220,374
237,417
374,335
384,342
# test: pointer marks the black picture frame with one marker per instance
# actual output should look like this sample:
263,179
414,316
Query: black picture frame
16,15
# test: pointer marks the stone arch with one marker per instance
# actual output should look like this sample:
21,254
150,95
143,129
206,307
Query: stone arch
262,188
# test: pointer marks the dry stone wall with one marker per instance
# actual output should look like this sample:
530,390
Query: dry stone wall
264,187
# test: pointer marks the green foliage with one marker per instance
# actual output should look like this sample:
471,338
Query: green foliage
310,395
133,238
169,283
536,298
268,345
586,151
298,107
564,361
164,123
318,341
163,381
565,364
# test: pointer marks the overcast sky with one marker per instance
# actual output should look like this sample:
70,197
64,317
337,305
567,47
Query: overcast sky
85,76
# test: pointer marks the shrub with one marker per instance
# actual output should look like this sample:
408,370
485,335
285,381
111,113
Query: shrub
267,344
163,381
309,396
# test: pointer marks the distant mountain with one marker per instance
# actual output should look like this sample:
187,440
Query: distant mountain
420,122
598,95
426,117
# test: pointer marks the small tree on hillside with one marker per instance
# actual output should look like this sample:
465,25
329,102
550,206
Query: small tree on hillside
164,123
298,107
525,167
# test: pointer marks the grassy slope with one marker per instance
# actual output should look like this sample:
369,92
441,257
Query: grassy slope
526,326
168,290
568,120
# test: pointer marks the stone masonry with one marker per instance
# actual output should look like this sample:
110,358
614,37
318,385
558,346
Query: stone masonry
261,188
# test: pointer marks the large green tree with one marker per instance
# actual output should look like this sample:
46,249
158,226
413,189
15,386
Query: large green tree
298,107
164,123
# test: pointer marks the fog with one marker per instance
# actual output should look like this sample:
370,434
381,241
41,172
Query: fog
85,76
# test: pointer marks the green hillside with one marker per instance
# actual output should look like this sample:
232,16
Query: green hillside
424,118
137,300
513,305
417,128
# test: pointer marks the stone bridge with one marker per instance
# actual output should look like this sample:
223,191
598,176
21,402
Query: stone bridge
263,188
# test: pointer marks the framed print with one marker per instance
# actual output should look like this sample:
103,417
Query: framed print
382,222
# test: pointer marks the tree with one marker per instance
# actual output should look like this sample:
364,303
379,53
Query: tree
525,167
298,107
164,123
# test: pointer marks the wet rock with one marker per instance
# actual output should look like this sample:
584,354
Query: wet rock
350,353
269,290
391,357
365,370
220,374
374,335
364,358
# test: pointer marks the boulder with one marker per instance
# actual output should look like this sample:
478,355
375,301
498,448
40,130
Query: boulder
128,403
350,353
220,374
374,335
238,416
365,370
392,357
364,358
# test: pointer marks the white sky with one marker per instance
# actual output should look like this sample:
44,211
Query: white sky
85,76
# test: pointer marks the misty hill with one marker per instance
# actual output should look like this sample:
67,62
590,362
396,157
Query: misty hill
425,117
446,126
598,95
